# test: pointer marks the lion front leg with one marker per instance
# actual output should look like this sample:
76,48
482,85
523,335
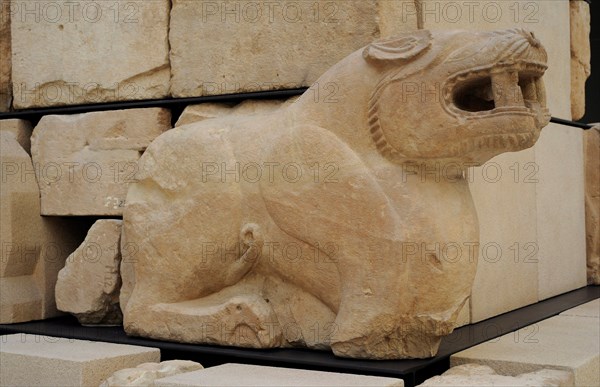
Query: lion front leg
374,300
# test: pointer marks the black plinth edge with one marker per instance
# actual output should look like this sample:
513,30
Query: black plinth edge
178,104
175,104
412,371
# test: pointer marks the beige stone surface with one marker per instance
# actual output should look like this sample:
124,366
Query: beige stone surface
20,129
561,212
589,309
320,225
569,343
251,375
34,248
559,155
88,286
523,209
464,316
33,360
580,55
145,374
480,375
507,270
205,61
84,162
204,111
591,143
5,57
128,259
91,52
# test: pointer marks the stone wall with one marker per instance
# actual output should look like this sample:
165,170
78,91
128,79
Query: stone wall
530,203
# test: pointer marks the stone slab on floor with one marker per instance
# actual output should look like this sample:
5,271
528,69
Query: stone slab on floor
34,360
589,309
563,342
480,375
251,375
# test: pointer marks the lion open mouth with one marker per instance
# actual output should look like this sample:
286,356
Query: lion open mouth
516,88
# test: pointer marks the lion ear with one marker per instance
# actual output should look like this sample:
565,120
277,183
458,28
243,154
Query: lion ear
398,47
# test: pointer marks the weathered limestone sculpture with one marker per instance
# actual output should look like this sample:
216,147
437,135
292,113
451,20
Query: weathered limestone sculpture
340,221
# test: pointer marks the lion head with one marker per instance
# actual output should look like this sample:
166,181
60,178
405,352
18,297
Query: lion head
459,96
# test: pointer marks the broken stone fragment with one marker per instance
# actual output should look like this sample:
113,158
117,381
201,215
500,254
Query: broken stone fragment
88,286
145,374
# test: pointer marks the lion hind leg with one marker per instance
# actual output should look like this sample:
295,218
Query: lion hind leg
236,316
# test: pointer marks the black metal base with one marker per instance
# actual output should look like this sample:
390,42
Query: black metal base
412,371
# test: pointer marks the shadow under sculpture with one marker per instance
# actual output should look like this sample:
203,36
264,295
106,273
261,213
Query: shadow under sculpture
321,224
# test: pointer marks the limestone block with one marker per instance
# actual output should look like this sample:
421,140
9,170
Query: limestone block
561,213
5,57
32,360
565,343
589,309
21,130
480,375
252,375
203,111
145,374
84,162
524,212
34,248
88,286
580,55
591,143
507,270
91,52
302,221
205,61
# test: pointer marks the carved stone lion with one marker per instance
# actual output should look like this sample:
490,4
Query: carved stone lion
343,220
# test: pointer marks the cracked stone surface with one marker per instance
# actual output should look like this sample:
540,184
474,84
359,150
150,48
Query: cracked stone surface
289,43
90,52
85,162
